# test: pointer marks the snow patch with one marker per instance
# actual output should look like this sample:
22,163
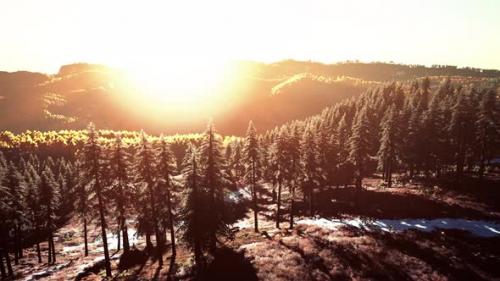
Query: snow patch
47,272
479,228
238,196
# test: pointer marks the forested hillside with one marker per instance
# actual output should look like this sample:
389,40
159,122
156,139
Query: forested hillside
182,189
269,94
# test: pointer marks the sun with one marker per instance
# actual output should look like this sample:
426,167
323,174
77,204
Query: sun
179,82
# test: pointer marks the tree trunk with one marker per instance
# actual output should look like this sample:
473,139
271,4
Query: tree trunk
2,266
16,252
149,245
171,223
255,203
20,242
118,240
9,264
38,252
85,239
198,255
103,231
126,245
292,187
311,194
482,162
481,170
50,250
155,225
279,205
304,196
52,246
50,241
389,176
359,180
274,193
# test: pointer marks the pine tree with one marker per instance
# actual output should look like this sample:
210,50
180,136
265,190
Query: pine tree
236,161
5,221
193,213
146,166
33,204
49,198
119,172
61,208
14,181
461,124
359,145
293,150
166,168
251,159
309,166
431,136
91,166
279,159
488,128
211,164
322,138
387,154
344,171
82,207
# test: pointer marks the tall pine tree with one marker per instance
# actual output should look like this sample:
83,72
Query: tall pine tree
91,167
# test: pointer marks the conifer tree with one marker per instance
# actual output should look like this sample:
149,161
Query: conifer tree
459,128
343,175
387,154
293,150
33,204
309,166
119,172
166,169
251,159
322,138
193,213
91,166
488,128
359,144
14,181
5,212
279,159
431,136
82,209
211,164
146,166
236,161
48,197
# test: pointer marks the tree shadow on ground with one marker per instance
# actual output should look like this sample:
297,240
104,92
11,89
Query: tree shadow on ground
367,263
482,190
376,255
229,265
454,253
133,258
383,204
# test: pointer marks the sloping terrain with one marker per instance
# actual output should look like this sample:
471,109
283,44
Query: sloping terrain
370,238
268,94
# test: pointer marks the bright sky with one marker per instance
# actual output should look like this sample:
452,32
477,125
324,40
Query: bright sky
43,35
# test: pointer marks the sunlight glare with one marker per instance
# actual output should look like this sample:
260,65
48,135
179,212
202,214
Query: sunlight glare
178,82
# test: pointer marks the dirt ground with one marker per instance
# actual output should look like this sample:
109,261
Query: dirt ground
310,252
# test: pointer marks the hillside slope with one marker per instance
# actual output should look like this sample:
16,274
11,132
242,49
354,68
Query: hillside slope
268,94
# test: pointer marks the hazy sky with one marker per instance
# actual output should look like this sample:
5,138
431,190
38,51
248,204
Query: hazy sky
42,35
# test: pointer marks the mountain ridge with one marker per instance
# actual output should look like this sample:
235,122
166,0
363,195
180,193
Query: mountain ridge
269,94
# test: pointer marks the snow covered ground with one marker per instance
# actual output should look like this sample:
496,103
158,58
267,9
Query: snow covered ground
239,195
476,227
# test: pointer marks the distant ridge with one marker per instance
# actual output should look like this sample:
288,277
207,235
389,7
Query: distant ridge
268,93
